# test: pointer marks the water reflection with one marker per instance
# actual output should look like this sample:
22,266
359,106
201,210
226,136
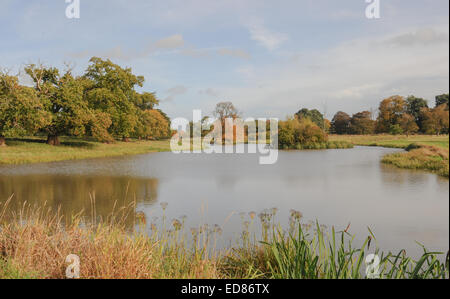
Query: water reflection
335,187
73,194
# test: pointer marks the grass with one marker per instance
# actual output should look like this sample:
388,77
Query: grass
424,152
394,141
34,243
35,150
335,144
429,158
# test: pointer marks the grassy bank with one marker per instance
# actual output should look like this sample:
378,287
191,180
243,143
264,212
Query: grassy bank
424,152
35,150
394,141
336,144
34,243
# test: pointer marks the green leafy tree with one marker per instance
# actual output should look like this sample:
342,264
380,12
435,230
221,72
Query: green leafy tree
112,90
62,96
21,112
441,100
414,106
314,115
340,123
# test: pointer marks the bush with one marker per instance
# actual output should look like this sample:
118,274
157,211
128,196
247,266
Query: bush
395,130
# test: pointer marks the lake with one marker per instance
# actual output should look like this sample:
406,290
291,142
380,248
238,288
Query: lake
335,187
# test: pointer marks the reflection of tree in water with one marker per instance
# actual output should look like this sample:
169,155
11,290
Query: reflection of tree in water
73,194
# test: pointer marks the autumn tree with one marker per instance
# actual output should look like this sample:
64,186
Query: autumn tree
436,120
314,115
21,112
390,113
408,124
340,123
153,125
223,111
362,123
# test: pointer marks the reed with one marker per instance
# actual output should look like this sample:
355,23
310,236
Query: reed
34,243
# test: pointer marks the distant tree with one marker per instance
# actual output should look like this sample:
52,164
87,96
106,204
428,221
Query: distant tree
341,123
435,121
21,112
309,132
390,113
395,129
293,132
362,123
62,96
223,111
314,115
414,106
441,100
408,124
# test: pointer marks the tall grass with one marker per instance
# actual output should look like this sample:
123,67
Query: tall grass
34,243
421,157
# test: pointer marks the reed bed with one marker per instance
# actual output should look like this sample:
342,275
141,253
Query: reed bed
34,243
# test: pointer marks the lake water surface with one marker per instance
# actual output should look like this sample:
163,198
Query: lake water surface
335,187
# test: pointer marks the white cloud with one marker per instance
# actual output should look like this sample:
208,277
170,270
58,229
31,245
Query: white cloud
352,76
265,37
425,36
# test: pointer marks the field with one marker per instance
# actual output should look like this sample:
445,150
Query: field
395,141
35,150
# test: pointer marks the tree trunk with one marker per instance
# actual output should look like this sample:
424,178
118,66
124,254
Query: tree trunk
2,141
126,139
53,140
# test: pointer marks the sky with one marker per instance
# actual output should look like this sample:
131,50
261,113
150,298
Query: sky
270,58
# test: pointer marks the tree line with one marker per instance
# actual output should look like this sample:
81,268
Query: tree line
103,103
397,115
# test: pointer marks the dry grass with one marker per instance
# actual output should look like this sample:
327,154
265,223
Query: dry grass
35,243
395,141
424,158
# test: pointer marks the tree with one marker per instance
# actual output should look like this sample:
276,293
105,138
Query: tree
390,112
442,99
112,91
314,115
340,123
63,98
408,124
362,123
414,106
153,125
435,121
223,111
294,132
21,112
